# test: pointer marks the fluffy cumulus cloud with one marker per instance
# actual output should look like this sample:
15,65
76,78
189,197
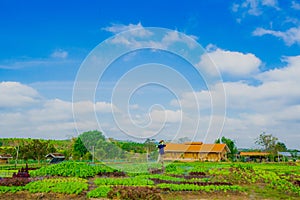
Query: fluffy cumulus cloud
14,95
168,116
229,62
272,106
25,113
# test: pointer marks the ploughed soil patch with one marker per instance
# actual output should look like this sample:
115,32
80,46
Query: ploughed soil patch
158,181
25,195
190,195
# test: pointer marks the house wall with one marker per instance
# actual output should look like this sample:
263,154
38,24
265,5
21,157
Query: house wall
3,160
173,155
211,156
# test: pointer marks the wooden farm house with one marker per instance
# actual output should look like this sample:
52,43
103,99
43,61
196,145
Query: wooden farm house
196,151
4,158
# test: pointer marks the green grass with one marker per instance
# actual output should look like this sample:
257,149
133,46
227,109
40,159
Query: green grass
7,173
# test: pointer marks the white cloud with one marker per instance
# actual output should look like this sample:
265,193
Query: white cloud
117,28
141,37
229,62
41,62
270,3
289,73
14,95
235,7
24,113
168,116
252,6
295,5
290,36
59,53
255,7
273,106
134,106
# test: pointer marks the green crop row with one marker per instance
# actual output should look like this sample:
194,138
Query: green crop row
100,191
12,189
208,188
132,181
162,177
71,169
58,185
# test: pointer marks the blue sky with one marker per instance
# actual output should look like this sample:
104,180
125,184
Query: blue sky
254,44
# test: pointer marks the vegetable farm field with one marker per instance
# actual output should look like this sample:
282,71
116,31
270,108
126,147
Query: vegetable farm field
194,180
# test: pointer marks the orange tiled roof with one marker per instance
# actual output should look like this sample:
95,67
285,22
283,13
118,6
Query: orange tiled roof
254,153
195,147
213,148
176,147
193,143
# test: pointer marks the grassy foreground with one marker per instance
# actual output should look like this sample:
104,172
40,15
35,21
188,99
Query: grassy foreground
198,180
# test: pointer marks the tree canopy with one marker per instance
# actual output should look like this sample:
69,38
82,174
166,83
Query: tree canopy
230,144
269,143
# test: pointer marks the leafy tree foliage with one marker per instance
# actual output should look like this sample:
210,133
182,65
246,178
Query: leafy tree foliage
280,147
36,149
91,138
79,149
130,146
93,143
267,141
150,145
230,144
270,143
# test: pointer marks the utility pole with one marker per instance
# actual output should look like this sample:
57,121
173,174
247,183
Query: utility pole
17,156
93,159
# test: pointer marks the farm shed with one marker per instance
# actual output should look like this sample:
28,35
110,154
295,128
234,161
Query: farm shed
254,155
196,151
55,157
289,155
4,158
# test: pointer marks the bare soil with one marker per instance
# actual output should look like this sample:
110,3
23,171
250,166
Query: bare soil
24,195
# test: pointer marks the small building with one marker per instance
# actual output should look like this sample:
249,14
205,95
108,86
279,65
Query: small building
196,151
288,155
254,156
5,157
55,157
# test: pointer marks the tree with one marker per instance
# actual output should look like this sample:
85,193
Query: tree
267,141
231,146
79,149
280,146
36,149
150,145
86,142
91,138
